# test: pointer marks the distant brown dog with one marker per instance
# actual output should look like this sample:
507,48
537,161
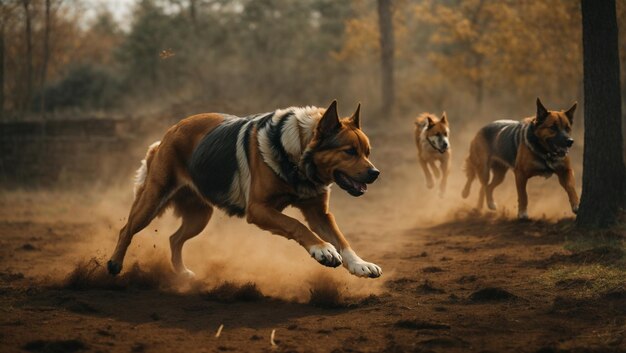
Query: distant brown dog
255,167
433,144
534,146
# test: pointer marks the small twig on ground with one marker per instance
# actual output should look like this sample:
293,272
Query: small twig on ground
219,331
272,338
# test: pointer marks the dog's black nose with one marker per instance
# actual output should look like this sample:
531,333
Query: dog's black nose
372,174
570,142
444,145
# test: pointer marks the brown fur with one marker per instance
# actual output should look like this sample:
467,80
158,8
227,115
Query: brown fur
168,182
427,155
348,137
527,163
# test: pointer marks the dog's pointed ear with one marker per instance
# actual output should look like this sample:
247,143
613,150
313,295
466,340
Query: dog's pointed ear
542,112
356,117
430,121
570,113
444,119
330,120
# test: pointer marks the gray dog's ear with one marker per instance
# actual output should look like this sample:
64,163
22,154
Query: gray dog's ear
570,113
356,117
329,122
542,112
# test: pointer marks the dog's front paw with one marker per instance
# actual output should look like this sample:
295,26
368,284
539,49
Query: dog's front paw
575,209
358,267
522,215
430,184
365,269
493,206
326,254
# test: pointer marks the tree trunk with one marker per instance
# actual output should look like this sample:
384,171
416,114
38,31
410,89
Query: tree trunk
385,22
603,164
29,56
2,70
193,15
46,58
480,83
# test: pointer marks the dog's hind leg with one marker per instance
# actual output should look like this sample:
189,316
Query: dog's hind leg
470,172
481,198
483,178
149,201
195,214
499,171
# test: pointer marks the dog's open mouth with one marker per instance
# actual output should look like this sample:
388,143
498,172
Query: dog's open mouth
559,151
353,187
436,147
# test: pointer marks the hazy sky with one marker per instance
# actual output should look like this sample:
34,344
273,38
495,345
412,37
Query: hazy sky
121,9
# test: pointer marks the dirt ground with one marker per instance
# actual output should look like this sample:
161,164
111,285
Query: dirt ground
455,280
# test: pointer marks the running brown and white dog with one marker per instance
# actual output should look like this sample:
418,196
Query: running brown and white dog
255,167
536,145
433,145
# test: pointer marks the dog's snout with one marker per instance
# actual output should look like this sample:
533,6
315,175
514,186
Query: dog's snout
444,145
570,142
372,174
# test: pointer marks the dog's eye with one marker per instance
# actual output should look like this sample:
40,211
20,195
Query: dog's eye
351,151
554,128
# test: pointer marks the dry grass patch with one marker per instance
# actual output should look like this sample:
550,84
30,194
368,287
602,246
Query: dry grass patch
587,281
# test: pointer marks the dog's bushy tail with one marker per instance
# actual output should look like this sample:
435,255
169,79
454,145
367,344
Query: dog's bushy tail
470,172
142,172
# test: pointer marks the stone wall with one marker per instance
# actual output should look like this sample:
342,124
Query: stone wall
64,152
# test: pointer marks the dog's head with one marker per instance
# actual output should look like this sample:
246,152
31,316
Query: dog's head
437,131
553,129
339,152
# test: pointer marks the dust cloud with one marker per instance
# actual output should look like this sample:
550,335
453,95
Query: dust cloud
228,250
231,250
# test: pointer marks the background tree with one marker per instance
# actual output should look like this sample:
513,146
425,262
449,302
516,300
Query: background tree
385,24
604,173
467,53
28,37
46,58
1,70
246,55
5,12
